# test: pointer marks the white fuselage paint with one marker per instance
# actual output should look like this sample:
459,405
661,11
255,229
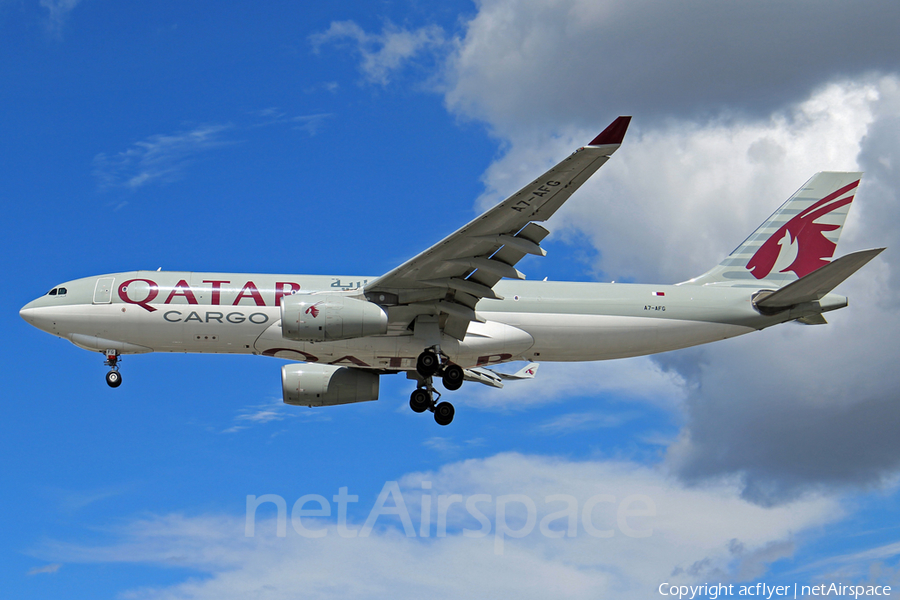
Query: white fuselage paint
539,321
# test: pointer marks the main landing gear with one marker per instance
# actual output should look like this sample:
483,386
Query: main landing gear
425,397
113,378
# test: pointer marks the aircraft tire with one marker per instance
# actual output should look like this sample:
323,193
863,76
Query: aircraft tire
419,400
443,413
427,364
453,377
113,379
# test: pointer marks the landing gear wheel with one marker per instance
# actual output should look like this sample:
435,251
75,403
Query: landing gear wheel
453,377
428,364
443,413
113,379
420,400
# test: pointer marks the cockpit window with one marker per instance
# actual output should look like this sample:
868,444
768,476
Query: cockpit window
52,292
57,292
61,292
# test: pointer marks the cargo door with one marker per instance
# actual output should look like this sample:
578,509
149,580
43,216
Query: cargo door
103,290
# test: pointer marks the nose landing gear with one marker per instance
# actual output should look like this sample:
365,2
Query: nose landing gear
113,377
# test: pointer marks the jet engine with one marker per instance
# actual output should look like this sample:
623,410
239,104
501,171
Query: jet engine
308,384
326,318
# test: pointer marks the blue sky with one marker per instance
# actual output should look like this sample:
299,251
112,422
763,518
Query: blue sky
343,138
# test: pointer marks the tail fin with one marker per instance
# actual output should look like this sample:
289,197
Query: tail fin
797,239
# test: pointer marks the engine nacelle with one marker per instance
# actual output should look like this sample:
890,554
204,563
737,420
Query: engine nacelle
326,318
308,384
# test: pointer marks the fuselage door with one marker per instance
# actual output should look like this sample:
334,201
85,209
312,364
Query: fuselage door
103,290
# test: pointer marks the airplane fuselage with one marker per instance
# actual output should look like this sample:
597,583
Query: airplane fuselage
154,311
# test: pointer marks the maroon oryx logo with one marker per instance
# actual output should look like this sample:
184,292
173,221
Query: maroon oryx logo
312,310
813,248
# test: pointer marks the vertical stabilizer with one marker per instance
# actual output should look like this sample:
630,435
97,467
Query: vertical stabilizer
797,239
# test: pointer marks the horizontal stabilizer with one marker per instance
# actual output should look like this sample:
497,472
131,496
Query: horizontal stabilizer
814,286
482,375
526,372
816,319
495,379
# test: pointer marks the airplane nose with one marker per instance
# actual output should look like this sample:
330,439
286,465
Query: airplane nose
27,314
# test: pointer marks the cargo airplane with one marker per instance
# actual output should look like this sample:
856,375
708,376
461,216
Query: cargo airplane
461,306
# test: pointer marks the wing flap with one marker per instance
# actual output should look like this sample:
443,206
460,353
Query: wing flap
464,285
491,265
518,242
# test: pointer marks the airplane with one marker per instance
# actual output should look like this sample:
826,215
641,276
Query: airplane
461,306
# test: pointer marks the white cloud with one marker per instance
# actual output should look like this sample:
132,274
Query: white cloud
273,411
311,123
697,533
58,12
75,500
447,445
856,564
382,54
636,379
569,422
160,158
45,570
164,158
441,444
534,64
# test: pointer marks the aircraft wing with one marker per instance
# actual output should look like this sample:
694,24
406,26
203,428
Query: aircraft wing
448,279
